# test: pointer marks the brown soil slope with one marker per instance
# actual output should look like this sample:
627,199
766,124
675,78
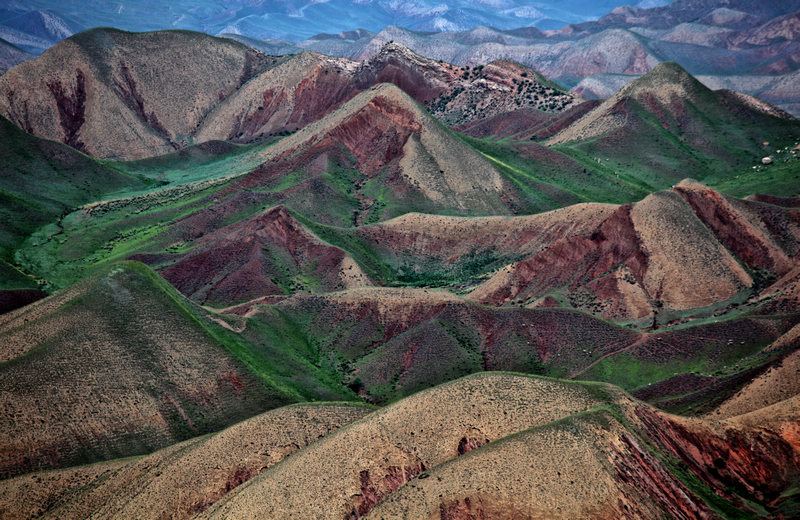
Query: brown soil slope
120,95
268,254
646,257
346,474
418,242
181,480
171,89
114,366
508,446
779,383
579,468
382,133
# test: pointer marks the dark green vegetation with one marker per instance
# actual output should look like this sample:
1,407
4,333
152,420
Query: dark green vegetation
41,181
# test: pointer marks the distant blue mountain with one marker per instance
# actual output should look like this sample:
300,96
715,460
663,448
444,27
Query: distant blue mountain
300,19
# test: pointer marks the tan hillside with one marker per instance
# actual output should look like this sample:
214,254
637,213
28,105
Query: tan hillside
570,469
181,480
345,474
116,366
122,95
510,446
780,418
492,445
654,251
308,86
778,383
760,236
681,251
178,480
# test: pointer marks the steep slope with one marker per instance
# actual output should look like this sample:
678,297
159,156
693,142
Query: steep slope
525,447
41,180
666,123
120,365
11,56
641,260
180,480
269,254
774,386
384,150
743,42
460,95
119,95
297,91
77,91
42,23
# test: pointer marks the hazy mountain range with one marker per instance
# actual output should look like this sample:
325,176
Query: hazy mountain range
743,45
297,19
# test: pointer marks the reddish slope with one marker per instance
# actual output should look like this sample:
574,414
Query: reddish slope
647,256
264,255
382,134
121,95
397,341
287,97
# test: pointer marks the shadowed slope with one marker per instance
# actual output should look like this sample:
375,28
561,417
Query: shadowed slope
392,342
40,180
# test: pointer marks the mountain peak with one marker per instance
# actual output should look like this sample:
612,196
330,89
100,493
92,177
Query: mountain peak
665,80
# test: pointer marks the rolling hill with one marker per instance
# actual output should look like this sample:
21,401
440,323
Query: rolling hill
434,244
82,86
121,364
508,456
180,480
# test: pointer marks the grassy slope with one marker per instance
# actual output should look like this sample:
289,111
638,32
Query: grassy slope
136,349
41,181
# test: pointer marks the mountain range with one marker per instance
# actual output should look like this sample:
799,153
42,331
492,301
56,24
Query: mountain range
296,19
742,45
244,285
